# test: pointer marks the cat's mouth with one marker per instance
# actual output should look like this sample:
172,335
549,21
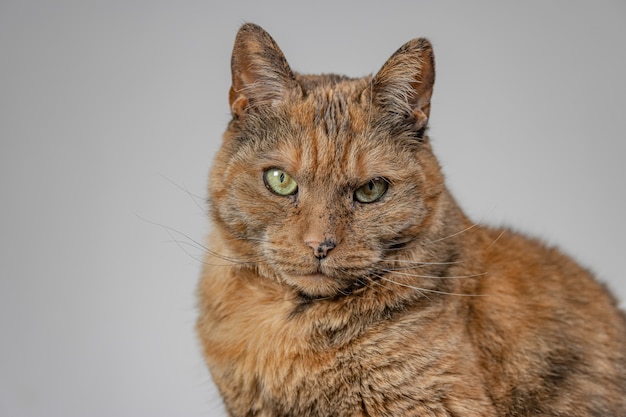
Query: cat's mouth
329,277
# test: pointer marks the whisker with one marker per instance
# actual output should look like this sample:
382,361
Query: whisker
495,240
421,290
433,276
234,260
403,243
418,264
467,229
195,198
200,259
180,244
383,278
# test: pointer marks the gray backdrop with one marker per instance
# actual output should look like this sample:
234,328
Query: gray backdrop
110,112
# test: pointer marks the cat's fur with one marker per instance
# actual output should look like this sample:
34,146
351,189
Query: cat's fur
314,304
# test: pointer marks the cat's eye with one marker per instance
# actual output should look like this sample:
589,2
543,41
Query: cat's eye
372,191
279,182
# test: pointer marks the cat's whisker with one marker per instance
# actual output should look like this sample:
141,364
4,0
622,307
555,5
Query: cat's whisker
394,271
421,264
382,277
427,263
200,259
492,244
402,244
193,242
181,244
428,290
467,229
172,230
194,197
237,260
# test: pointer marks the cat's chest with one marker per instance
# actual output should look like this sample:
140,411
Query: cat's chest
288,362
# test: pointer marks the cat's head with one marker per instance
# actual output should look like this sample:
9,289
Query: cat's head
322,180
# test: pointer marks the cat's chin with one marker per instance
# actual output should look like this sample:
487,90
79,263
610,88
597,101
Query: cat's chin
315,285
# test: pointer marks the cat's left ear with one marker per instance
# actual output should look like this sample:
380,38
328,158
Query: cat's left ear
404,85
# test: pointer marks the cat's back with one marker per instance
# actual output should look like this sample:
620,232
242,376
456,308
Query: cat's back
547,331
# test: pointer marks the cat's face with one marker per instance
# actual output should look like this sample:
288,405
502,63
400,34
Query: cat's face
320,182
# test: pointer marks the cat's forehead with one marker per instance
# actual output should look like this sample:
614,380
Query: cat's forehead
313,154
330,131
333,102
326,144
341,84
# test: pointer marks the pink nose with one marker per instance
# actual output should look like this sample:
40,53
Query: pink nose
321,249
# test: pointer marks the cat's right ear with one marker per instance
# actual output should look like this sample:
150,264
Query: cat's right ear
261,75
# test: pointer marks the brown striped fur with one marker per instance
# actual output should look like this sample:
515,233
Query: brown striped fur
412,310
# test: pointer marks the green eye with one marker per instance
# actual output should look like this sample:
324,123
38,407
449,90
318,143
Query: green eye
372,191
279,182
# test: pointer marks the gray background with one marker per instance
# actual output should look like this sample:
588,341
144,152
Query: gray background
110,113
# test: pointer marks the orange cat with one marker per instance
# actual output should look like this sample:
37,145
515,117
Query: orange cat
344,280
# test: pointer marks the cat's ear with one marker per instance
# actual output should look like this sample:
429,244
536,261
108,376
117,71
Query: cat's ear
261,74
404,84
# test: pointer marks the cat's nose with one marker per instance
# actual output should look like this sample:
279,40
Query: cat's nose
321,249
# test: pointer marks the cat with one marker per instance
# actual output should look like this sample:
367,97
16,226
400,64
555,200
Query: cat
342,278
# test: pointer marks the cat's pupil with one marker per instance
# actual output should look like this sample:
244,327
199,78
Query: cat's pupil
282,177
